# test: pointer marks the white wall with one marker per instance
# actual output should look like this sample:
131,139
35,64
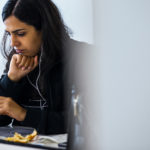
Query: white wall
119,108
77,16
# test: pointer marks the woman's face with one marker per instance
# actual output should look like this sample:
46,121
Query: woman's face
25,39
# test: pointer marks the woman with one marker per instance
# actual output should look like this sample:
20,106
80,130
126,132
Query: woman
32,87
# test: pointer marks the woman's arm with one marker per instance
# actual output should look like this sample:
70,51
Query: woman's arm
11,86
10,108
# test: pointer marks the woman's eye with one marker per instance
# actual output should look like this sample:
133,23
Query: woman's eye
20,34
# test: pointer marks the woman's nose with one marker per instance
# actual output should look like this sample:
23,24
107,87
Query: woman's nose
14,41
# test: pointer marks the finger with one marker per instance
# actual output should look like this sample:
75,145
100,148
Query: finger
2,111
35,61
23,61
2,97
17,58
31,64
27,64
1,104
2,101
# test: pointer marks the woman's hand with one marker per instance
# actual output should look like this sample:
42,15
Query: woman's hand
20,66
11,108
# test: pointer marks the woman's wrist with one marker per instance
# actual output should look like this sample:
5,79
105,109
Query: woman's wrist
12,77
22,115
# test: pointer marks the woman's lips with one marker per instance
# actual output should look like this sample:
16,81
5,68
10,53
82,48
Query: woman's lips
19,51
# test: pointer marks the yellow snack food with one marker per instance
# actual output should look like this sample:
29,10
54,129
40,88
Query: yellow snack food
22,139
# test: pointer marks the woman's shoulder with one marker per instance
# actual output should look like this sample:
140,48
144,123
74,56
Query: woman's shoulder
77,54
75,49
79,44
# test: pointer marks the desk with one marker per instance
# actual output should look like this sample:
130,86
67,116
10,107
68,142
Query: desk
14,147
39,142
42,142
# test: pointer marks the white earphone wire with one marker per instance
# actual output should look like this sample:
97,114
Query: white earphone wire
36,84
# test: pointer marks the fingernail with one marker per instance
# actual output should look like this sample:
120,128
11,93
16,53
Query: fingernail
23,68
